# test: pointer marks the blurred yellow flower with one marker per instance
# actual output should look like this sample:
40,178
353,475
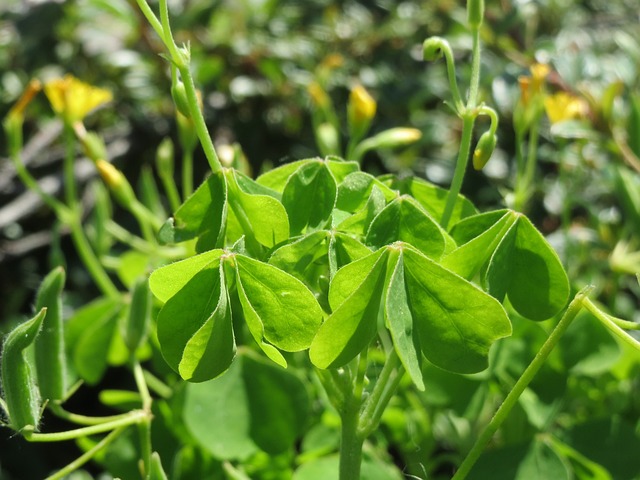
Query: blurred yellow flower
318,95
564,106
362,104
73,99
530,86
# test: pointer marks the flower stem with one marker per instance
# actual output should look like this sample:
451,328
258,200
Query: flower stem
88,455
527,376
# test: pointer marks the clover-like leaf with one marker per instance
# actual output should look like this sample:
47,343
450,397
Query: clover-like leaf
355,295
432,198
260,216
429,311
195,329
202,215
455,321
518,262
526,269
309,197
280,310
405,220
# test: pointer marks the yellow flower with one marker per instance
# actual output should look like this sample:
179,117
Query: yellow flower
73,99
362,104
530,86
564,106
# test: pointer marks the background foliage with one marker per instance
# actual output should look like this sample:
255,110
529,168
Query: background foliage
254,61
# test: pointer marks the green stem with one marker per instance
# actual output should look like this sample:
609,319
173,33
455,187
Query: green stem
88,455
350,441
615,325
527,376
187,173
132,418
144,427
472,101
382,392
461,167
524,187
171,189
151,17
57,409
70,190
158,386
95,268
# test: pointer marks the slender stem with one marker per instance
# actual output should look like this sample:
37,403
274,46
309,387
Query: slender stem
524,186
381,393
95,268
169,184
88,455
461,166
132,418
158,386
198,120
615,325
151,17
70,190
187,173
472,101
522,383
144,427
383,401
57,409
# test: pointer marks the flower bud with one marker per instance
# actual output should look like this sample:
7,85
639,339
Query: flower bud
432,48
328,139
475,12
117,183
485,147
179,95
360,111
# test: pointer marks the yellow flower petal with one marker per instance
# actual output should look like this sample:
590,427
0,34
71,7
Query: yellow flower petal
564,106
73,99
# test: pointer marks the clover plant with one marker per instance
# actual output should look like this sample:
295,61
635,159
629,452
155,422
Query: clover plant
316,273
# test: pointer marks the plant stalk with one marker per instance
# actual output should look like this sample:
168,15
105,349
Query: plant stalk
522,383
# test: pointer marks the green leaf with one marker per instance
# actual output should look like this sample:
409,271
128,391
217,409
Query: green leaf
51,362
355,296
262,218
468,259
21,394
526,269
405,220
281,309
456,322
195,329
278,405
359,222
399,320
166,281
309,197
355,190
277,178
255,405
202,215
432,198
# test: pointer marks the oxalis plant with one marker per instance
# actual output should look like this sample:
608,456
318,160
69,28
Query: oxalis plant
314,272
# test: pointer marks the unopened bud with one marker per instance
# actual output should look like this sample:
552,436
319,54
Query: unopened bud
328,139
360,111
433,48
475,12
484,149
117,183
179,95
